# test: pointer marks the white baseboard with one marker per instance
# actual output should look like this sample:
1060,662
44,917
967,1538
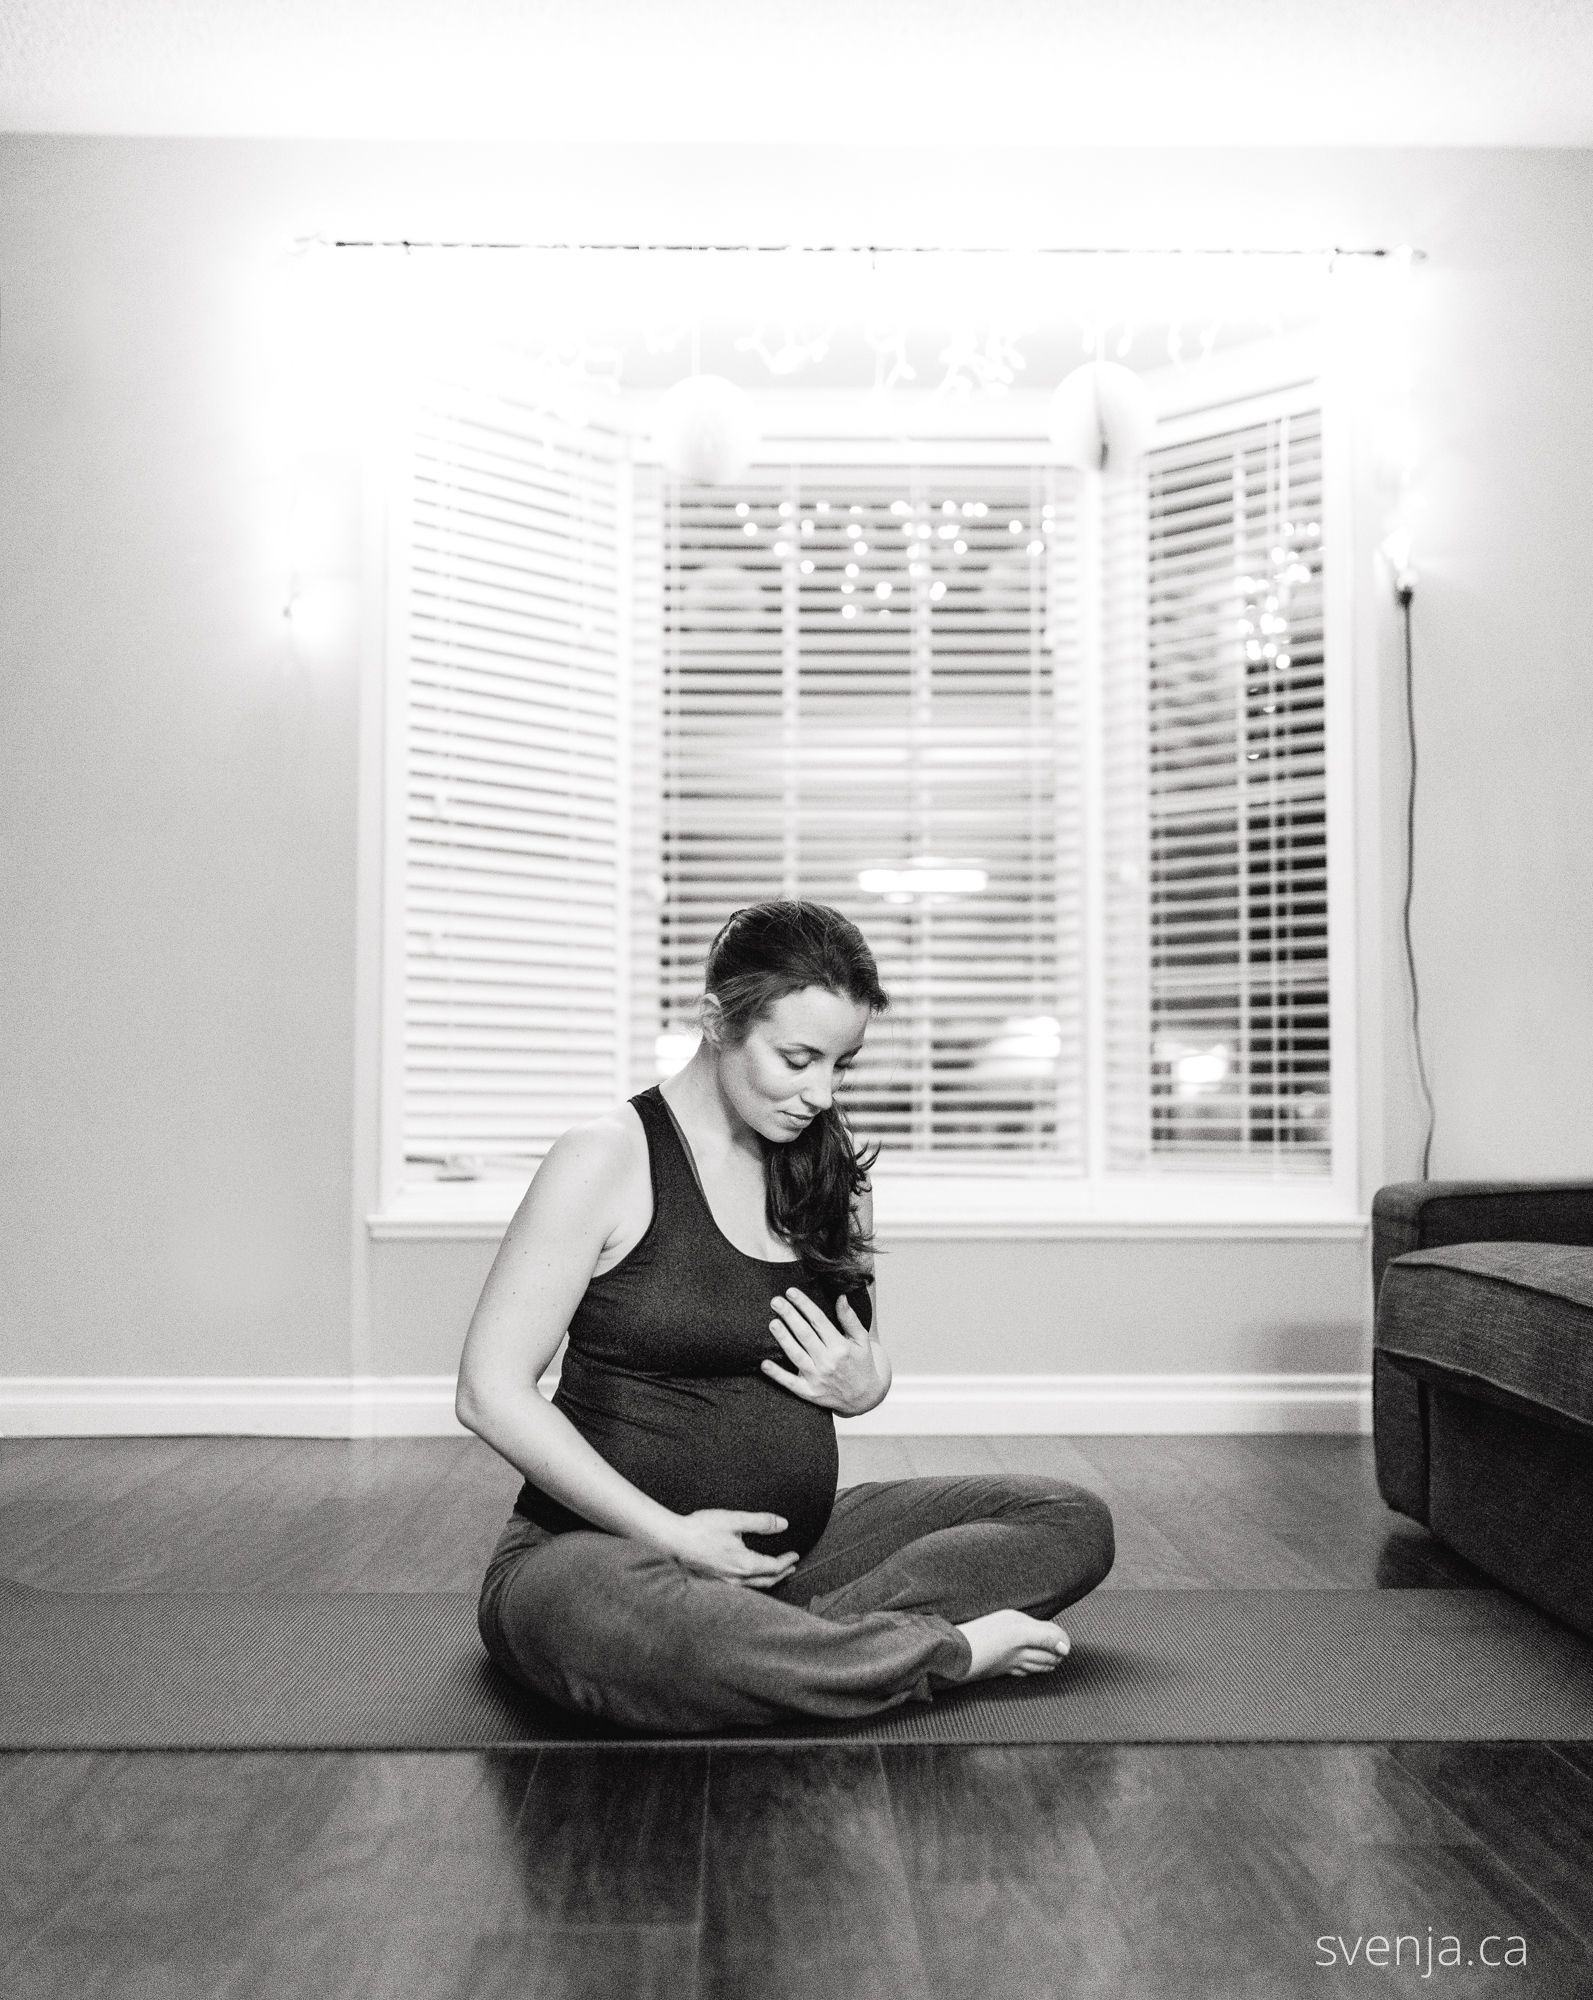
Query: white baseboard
917,1406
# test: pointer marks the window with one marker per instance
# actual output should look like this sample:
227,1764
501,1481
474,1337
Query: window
1215,893
510,546
1057,743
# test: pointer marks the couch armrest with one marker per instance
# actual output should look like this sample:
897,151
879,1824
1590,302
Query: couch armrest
1423,1215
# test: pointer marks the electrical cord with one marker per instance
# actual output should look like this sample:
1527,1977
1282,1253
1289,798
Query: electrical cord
1405,593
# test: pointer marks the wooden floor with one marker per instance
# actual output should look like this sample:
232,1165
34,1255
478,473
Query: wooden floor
873,1871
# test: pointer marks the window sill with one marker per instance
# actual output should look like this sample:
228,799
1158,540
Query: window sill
946,1208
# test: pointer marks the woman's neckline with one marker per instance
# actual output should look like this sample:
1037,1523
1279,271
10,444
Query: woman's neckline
783,1263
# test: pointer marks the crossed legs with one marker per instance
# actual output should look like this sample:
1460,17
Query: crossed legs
867,1620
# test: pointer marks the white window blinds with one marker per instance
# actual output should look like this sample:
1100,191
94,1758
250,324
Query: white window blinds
1216,928
512,596
871,699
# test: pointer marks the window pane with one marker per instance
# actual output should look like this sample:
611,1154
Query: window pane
870,699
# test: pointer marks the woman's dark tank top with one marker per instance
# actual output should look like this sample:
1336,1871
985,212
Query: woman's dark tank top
661,1371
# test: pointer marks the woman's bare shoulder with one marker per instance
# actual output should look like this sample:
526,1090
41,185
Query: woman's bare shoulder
612,1137
611,1147
620,1121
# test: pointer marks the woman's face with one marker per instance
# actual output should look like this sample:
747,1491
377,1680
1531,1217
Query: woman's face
786,1072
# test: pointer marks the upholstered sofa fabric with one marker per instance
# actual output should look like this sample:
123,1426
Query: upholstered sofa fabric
1516,1317
1428,1215
1482,1377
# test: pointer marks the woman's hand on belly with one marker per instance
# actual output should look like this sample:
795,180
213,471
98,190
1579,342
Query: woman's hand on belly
709,1541
839,1367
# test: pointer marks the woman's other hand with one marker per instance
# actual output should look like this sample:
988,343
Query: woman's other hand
839,1367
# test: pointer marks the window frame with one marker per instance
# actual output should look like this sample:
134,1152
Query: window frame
988,1204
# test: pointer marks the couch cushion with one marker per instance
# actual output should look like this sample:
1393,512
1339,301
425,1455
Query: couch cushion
1515,1316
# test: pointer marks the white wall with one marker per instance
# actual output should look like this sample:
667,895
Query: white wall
178,861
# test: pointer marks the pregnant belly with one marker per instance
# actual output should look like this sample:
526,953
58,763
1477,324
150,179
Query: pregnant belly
713,1441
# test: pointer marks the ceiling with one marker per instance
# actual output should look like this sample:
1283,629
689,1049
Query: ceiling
866,72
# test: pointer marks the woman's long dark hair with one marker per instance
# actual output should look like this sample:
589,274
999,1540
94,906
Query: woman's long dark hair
764,952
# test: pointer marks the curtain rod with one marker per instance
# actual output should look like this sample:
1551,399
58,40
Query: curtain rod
876,249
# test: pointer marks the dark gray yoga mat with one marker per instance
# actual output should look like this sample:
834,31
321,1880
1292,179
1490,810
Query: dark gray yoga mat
407,1672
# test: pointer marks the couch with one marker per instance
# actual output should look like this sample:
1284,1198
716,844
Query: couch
1482,1377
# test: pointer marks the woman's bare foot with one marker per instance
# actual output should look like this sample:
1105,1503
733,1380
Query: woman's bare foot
1011,1642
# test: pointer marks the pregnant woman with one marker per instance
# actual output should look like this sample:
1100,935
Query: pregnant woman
678,1559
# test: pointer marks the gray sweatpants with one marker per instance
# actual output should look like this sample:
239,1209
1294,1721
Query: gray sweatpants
606,1626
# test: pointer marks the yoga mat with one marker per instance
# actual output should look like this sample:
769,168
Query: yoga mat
360,1671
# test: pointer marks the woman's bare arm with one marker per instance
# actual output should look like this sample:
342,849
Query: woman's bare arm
542,1268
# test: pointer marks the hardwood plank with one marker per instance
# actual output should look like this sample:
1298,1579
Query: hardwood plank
1102,1869
187,1525
1009,1893
584,1962
1407,1889
1319,1499
444,1543
804,1891
161,1860
1233,1527
615,1840
339,1504
60,1488
471,1875
1224,1880
1145,1558
386,1876
864,1458
1531,1808
1578,1754
43,1852
937,1456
